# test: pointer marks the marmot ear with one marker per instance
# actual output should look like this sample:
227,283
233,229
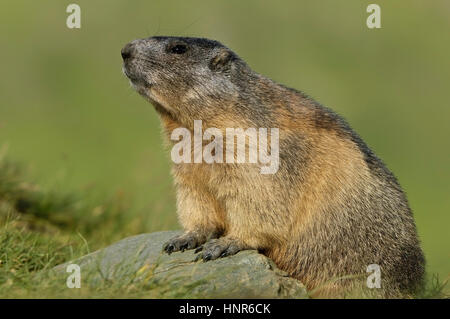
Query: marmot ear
222,60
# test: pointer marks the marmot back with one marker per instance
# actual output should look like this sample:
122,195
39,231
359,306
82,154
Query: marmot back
330,210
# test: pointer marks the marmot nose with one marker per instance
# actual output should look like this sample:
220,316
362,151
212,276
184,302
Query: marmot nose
127,51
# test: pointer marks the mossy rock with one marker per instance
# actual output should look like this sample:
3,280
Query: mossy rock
139,259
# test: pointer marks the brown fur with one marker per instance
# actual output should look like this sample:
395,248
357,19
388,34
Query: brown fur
332,208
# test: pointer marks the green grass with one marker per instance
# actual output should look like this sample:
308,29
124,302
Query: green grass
34,237
39,230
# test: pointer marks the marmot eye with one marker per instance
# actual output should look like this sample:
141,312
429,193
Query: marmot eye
178,49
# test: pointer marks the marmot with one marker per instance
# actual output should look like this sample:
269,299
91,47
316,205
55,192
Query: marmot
330,210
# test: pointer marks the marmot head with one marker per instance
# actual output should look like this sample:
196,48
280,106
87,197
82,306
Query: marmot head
183,77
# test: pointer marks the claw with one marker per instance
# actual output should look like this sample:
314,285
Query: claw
207,257
170,248
198,249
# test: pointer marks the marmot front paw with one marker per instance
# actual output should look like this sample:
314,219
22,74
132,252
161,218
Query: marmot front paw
188,240
218,248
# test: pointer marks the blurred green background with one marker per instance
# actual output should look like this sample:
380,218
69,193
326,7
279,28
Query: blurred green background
67,111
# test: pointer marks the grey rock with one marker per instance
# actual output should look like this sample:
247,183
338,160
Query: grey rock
139,259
